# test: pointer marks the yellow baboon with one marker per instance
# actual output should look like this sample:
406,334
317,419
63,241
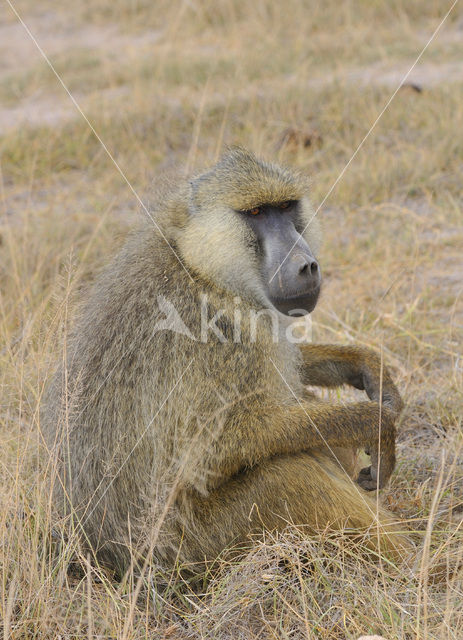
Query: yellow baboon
180,420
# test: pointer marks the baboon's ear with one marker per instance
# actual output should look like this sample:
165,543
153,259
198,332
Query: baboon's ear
199,196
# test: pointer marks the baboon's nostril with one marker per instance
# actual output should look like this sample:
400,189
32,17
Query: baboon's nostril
311,265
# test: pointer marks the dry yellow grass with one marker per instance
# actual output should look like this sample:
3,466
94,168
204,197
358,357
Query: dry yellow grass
170,83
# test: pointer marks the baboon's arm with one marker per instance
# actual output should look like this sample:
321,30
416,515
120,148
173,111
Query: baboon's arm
327,365
254,433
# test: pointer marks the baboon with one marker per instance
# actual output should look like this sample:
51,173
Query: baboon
180,417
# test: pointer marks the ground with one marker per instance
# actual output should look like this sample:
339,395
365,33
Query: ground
166,86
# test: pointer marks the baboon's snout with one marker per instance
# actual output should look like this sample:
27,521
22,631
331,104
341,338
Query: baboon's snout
294,281
291,273
304,269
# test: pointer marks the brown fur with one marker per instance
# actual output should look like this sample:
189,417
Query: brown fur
200,442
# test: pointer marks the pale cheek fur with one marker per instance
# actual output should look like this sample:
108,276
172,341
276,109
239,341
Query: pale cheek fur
227,261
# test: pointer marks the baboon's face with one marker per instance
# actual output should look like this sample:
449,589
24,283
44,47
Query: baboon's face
291,275
250,230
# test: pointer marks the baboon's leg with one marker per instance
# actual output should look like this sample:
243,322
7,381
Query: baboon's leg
307,489
345,457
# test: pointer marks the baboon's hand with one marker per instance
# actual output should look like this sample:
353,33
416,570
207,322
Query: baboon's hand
382,454
378,387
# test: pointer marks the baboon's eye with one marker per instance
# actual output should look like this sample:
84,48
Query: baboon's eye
254,212
284,205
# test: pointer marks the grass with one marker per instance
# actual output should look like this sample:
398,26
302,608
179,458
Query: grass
169,85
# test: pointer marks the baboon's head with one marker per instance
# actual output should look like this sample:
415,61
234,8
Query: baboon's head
251,229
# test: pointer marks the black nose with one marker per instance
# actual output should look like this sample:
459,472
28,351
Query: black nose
310,266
